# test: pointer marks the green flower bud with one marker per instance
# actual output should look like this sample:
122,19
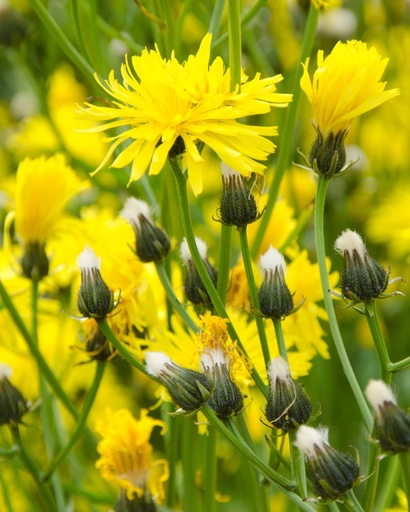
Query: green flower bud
275,299
332,473
94,297
188,389
363,278
12,403
144,503
328,156
392,424
34,260
288,404
152,243
237,206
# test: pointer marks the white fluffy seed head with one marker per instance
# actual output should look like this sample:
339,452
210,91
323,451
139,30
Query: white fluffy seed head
185,253
133,208
378,392
88,260
278,368
212,357
5,371
272,260
155,362
227,171
349,241
307,438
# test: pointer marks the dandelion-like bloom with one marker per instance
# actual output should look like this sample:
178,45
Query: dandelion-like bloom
345,85
126,454
168,107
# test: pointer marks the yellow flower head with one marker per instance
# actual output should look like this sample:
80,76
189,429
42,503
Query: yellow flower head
43,188
168,107
126,454
345,85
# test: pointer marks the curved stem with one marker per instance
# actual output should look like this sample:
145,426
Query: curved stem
253,293
379,343
286,140
173,299
106,330
88,403
334,328
186,221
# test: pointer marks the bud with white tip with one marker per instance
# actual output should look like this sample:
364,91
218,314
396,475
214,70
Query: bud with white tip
12,403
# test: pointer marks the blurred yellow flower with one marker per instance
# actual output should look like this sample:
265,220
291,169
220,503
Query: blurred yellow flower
127,455
345,85
168,107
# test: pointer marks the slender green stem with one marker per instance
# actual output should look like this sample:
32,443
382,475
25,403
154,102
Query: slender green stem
106,330
210,471
404,458
373,468
173,299
79,428
215,22
323,183
353,503
41,362
190,465
224,261
253,293
5,494
379,343
235,42
388,485
280,340
400,365
298,466
75,12
286,139
121,36
32,468
59,36
172,444
186,221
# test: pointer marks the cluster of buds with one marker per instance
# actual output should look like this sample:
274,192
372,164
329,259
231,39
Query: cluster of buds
237,206
392,424
151,243
12,403
288,404
195,290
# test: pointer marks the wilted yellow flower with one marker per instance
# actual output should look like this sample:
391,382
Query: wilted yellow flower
345,85
127,455
168,107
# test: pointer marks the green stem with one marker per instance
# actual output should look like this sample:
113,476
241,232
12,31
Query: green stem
297,461
215,22
235,43
210,471
5,494
85,411
186,221
379,343
400,365
352,503
41,362
32,468
172,445
253,293
388,485
373,468
75,12
189,463
404,458
106,330
323,183
173,299
224,261
280,340
286,140
59,36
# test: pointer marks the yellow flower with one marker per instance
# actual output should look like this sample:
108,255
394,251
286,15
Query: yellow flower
127,454
345,85
44,187
168,107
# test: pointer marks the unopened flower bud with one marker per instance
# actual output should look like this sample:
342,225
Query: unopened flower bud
237,206
188,389
332,473
328,154
288,404
226,399
98,347
144,503
152,243
275,299
34,262
94,297
392,424
193,285
363,278
12,403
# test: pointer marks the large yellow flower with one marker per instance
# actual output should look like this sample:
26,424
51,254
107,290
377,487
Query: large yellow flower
345,85
127,454
169,107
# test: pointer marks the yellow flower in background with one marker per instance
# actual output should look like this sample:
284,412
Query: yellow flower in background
345,85
127,455
43,188
168,107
